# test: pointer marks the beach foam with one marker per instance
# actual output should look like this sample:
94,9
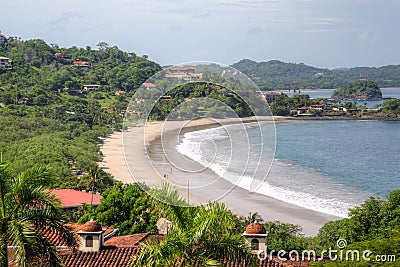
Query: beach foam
286,181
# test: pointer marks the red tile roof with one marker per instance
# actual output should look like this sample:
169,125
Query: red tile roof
58,241
118,251
81,63
303,108
126,241
71,198
108,256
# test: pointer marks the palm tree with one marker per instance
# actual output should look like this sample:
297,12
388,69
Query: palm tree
94,173
199,236
252,217
26,210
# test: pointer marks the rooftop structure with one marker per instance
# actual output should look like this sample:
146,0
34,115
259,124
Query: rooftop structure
186,73
91,87
71,198
5,62
256,237
99,246
81,64
270,95
2,38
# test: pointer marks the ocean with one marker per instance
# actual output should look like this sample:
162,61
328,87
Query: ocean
325,166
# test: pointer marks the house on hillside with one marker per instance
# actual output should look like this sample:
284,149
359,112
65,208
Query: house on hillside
5,63
119,92
269,95
166,97
91,87
2,38
149,86
81,64
62,56
187,73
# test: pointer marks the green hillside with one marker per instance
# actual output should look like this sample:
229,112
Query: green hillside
46,114
275,75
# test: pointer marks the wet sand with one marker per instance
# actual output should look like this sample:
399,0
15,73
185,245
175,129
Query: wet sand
144,142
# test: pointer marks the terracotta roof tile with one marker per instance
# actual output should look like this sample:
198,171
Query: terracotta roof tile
126,241
255,228
58,241
74,198
108,256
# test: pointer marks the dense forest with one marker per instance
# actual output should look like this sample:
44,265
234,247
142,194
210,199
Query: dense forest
277,75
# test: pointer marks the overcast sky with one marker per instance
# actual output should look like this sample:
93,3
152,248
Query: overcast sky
321,33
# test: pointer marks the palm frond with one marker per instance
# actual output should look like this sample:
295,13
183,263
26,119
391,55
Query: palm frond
5,186
21,234
161,254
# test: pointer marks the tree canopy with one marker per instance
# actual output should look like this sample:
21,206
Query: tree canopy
363,89
277,75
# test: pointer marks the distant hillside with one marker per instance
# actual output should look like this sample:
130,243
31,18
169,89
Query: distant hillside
274,75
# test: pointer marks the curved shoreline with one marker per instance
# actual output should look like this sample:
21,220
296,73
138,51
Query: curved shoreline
238,200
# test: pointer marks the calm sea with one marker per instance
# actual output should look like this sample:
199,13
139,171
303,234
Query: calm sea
326,166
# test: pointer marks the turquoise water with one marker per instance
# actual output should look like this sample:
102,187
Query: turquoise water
326,166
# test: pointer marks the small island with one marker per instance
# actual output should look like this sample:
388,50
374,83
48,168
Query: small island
360,90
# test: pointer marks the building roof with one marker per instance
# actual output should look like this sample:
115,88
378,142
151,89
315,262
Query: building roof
303,108
91,226
107,256
56,239
71,198
126,241
149,85
80,63
119,250
255,229
182,68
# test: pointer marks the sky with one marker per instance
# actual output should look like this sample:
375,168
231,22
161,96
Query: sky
320,33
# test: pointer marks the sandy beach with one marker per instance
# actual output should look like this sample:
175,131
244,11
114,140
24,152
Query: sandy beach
130,163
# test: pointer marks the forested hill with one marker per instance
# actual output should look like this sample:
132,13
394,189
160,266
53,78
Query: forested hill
274,74
56,102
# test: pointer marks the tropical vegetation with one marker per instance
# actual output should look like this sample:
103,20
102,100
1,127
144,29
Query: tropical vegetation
277,75
126,207
362,89
199,236
46,116
26,211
